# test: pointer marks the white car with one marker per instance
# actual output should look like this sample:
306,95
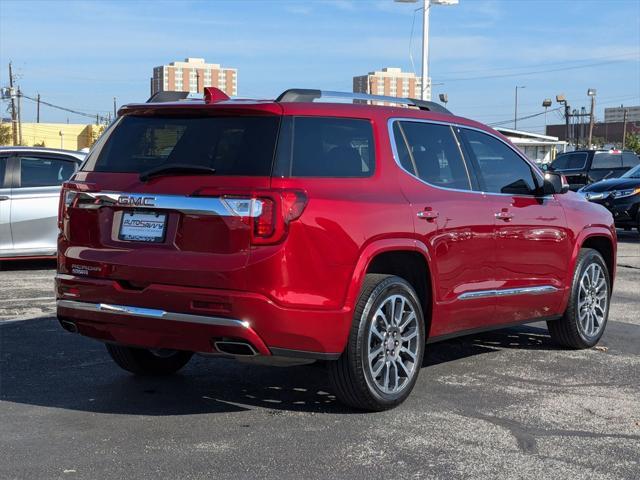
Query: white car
30,179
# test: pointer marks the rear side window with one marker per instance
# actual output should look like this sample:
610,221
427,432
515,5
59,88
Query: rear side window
628,160
325,147
43,172
240,145
431,153
570,161
606,160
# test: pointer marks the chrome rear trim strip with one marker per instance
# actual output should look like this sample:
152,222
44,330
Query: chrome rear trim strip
181,203
507,292
150,313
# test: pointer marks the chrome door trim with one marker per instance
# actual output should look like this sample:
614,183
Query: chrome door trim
181,203
396,157
508,292
150,313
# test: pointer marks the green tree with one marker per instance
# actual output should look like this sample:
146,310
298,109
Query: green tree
39,144
632,142
5,134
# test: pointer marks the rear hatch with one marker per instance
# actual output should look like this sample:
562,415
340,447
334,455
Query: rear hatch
171,196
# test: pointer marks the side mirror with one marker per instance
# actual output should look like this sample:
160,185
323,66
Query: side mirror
554,183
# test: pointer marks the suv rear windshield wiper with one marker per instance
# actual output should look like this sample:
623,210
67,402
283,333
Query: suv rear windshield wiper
176,168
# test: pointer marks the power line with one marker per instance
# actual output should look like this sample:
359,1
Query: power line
504,122
98,117
533,72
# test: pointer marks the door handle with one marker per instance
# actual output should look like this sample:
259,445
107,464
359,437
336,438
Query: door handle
504,215
428,214
3,197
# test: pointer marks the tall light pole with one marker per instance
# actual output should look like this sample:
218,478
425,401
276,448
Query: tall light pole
515,113
592,93
425,85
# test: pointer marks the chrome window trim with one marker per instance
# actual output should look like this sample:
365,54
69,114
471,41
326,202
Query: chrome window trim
458,125
150,313
508,292
181,203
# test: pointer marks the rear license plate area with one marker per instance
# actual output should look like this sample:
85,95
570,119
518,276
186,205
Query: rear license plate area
147,227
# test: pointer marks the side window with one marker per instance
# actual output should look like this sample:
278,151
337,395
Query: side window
628,160
331,147
502,170
606,160
3,169
431,153
42,172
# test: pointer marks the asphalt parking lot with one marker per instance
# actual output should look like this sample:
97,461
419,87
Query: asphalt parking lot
508,404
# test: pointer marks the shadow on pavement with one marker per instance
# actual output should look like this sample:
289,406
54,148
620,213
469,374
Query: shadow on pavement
23,265
41,364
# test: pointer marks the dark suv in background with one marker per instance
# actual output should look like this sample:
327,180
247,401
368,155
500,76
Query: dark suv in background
583,167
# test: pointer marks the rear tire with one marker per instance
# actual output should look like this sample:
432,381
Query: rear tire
585,319
383,356
145,362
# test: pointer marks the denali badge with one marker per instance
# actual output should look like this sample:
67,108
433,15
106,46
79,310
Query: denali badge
136,201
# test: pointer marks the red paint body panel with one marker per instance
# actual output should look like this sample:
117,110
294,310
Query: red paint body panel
300,292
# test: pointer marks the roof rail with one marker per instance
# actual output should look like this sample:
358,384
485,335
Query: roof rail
162,97
309,95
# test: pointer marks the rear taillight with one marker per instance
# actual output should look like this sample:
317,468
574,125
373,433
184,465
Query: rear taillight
264,225
268,214
68,195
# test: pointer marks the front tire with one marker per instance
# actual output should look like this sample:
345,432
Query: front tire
585,319
381,362
147,362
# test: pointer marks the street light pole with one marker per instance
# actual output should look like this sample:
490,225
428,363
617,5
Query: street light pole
425,86
592,93
515,115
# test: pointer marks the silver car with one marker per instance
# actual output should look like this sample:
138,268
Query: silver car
30,180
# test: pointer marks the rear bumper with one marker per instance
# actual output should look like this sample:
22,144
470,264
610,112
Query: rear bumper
188,318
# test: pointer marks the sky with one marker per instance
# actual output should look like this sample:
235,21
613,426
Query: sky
81,54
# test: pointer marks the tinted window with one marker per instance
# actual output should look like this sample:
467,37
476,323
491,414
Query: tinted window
230,145
502,170
633,173
570,161
606,160
432,154
630,159
327,147
41,172
3,168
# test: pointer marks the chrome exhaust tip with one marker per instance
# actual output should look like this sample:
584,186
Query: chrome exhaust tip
235,348
69,326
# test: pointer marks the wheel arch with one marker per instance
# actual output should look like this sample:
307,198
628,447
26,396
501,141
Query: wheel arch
406,258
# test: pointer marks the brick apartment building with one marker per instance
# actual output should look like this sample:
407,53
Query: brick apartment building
193,75
392,82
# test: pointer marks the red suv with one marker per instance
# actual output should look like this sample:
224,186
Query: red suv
354,233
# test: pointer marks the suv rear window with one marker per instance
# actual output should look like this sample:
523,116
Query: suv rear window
606,160
325,147
241,145
570,161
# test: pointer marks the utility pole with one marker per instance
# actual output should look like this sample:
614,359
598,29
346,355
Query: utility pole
115,114
38,109
624,127
583,114
19,116
515,114
14,126
592,93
